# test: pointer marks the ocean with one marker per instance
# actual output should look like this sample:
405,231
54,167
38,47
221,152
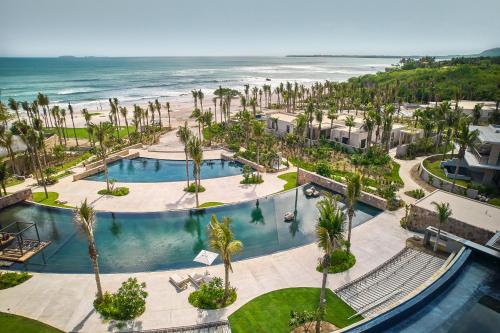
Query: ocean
88,82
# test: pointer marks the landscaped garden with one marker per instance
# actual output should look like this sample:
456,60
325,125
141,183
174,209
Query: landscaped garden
10,323
51,200
271,312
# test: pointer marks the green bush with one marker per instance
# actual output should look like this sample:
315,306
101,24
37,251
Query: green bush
12,279
210,295
416,193
192,188
117,192
494,202
374,156
323,169
127,303
340,261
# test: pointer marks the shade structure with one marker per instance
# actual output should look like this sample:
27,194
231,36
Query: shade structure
206,257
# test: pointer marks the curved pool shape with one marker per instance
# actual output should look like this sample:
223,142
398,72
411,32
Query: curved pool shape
137,242
151,170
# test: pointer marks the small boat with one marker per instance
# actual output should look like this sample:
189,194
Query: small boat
289,216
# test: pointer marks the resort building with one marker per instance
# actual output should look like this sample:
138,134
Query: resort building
356,137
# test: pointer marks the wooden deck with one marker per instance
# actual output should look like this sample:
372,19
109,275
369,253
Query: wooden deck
30,248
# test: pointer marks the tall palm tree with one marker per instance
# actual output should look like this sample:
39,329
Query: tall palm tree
86,219
198,116
349,122
104,135
124,112
167,105
3,177
443,212
196,153
184,134
329,232
465,138
221,239
6,141
34,141
70,108
201,96
318,115
332,115
353,192
300,133
14,106
158,109
258,131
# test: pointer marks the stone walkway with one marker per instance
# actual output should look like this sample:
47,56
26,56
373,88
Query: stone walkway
65,300
405,174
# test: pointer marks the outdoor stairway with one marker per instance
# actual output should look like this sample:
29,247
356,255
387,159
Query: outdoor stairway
213,327
389,282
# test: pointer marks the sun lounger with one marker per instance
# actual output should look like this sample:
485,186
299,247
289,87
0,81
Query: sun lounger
198,279
179,281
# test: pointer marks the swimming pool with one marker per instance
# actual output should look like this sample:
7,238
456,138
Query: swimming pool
137,242
150,170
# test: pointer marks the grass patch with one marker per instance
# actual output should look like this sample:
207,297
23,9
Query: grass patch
13,182
10,323
192,188
210,204
416,193
117,192
494,202
271,312
12,279
82,133
39,197
435,169
341,261
291,180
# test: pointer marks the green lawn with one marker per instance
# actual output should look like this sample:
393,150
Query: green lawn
82,133
210,204
39,197
435,169
271,312
11,323
290,178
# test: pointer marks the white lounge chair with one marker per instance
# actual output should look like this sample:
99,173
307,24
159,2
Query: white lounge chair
179,281
198,279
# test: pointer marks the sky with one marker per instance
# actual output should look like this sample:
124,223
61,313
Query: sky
256,27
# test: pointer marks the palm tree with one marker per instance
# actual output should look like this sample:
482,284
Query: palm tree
300,133
124,112
329,232
253,104
34,141
476,113
85,218
198,116
6,138
353,192
184,134
167,105
443,212
70,108
3,177
465,138
14,106
195,97
196,153
332,115
158,109
201,96
349,122
318,115
104,134
258,131
221,239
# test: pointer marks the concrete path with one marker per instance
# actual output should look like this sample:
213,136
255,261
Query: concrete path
65,300
405,174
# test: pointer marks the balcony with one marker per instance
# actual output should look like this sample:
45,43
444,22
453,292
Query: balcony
481,158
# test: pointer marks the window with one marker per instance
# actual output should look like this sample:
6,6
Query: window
363,143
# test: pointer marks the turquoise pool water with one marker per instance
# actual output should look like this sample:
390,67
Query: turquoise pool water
150,170
136,242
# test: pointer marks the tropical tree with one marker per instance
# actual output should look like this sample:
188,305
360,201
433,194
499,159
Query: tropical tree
184,134
124,112
3,177
221,239
6,141
196,154
13,105
329,232
353,192
167,105
476,113
258,131
318,115
349,122
332,115
299,133
158,109
71,114
443,213
198,116
84,216
104,135
465,138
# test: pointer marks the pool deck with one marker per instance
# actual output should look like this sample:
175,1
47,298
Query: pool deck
65,300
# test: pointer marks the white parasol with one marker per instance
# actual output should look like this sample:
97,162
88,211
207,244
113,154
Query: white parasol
206,257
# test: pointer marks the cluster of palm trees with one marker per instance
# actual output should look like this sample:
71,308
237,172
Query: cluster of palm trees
193,149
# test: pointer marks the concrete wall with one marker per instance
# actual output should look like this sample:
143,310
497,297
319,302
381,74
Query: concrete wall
12,199
444,184
367,198
244,161
420,218
100,167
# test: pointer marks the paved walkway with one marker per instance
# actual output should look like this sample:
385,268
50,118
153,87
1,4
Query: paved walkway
405,174
65,300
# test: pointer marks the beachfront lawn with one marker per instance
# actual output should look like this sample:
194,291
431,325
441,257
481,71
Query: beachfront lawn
436,170
291,180
10,323
82,133
210,204
271,312
39,197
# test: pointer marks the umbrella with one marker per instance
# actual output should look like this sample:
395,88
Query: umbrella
205,257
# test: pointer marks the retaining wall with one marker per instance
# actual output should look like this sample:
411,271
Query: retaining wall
244,161
420,218
100,167
441,183
12,199
367,198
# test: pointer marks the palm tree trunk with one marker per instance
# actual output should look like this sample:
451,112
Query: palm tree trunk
226,284
326,263
105,171
187,166
196,185
128,131
350,215
74,130
37,158
457,167
95,267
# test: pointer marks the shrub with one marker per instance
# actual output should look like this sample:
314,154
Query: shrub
117,192
192,188
323,169
374,156
127,303
12,279
416,193
210,295
340,261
